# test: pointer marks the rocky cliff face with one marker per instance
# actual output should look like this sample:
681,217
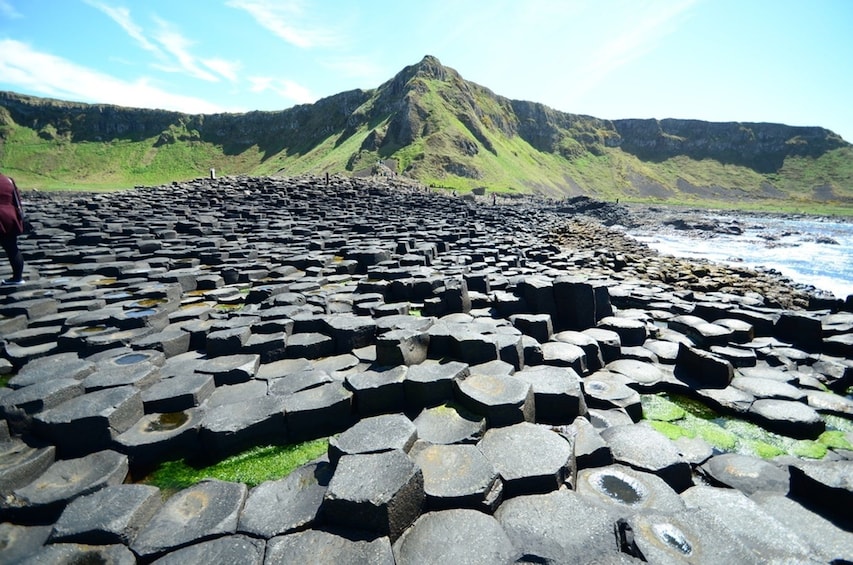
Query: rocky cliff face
759,146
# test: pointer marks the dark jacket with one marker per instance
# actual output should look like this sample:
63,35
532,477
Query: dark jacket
11,218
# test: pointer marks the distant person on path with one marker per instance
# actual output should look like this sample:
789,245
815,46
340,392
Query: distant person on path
11,226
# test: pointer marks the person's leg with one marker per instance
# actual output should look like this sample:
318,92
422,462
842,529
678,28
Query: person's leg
16,258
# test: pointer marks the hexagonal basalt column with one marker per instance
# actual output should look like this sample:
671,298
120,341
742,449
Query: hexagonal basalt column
529,458
501,399
382,493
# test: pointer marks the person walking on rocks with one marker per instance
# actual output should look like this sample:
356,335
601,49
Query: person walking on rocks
11,226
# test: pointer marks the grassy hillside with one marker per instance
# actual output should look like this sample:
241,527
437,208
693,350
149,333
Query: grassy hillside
441,130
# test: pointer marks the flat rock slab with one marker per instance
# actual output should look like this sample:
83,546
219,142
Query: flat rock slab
20,462
605,390
64,553
318,412
449,424
232,428
382,493
828,542
178,393
317,546
462,536
825,487
556,392
768,388
528,457
559,527
688,536
503,400
755,528
378,392
92,421
59,366
227,549
789,418
644,448
624,489
747,474
431,383
159,435
111,515
67,479
21,542
210,508
286,505
458,476
374,435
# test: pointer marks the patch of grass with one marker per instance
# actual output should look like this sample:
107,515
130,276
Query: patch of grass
4,379
251,467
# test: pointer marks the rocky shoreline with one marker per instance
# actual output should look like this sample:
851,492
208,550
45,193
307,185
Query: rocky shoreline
478,367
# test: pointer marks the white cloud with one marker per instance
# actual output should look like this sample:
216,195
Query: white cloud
639,34
287,20
287,89
172,49
48,75
121,16
227,69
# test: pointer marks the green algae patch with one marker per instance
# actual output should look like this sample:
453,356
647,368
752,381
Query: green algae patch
835,439
678,416
670,430
251,467
657,407
715,435
809,449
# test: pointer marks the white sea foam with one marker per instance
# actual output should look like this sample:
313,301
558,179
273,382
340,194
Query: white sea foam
788,246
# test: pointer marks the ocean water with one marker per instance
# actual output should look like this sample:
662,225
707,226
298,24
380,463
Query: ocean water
815,251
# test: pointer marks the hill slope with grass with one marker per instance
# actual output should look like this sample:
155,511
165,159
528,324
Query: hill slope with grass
430,124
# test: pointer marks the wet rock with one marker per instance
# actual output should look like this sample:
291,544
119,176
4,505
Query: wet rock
624,491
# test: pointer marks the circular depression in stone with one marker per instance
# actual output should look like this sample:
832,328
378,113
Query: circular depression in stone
131,359
619,487
673,537
166,422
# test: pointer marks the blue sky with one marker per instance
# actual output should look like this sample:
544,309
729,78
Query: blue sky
721,60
